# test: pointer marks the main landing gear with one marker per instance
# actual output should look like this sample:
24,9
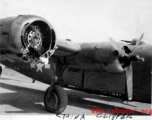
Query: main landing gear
55,99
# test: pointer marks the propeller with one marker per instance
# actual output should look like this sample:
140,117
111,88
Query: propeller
129,78
127,41
128,58
116,46
138,42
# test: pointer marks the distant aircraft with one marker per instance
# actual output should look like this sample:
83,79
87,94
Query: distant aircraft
28,44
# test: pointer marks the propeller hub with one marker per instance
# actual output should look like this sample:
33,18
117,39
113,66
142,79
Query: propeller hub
134,57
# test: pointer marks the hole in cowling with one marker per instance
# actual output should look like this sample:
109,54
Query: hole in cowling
38,38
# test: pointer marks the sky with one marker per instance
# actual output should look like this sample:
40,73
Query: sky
89,20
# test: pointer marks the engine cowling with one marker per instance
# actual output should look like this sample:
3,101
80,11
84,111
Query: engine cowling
27,37
101,56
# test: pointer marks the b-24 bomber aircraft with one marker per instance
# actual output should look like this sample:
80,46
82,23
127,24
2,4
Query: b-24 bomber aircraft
28,44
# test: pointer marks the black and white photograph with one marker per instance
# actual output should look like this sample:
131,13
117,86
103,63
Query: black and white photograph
75,59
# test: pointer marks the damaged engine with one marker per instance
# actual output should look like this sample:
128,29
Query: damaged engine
27,37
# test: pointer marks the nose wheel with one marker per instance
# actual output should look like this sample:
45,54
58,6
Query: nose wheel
56,101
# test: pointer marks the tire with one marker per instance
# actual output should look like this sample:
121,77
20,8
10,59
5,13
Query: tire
58,101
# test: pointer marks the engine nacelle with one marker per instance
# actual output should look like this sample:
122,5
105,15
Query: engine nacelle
101,56
27,37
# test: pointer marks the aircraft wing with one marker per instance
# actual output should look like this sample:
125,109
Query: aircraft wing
66,48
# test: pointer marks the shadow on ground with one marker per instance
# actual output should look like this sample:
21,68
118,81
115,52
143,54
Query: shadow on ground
29,100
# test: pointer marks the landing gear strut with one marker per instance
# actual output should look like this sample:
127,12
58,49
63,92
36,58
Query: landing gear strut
55,97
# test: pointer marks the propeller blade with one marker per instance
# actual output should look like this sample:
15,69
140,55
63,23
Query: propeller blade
138,42
127,41
141,37
116,46
129,76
